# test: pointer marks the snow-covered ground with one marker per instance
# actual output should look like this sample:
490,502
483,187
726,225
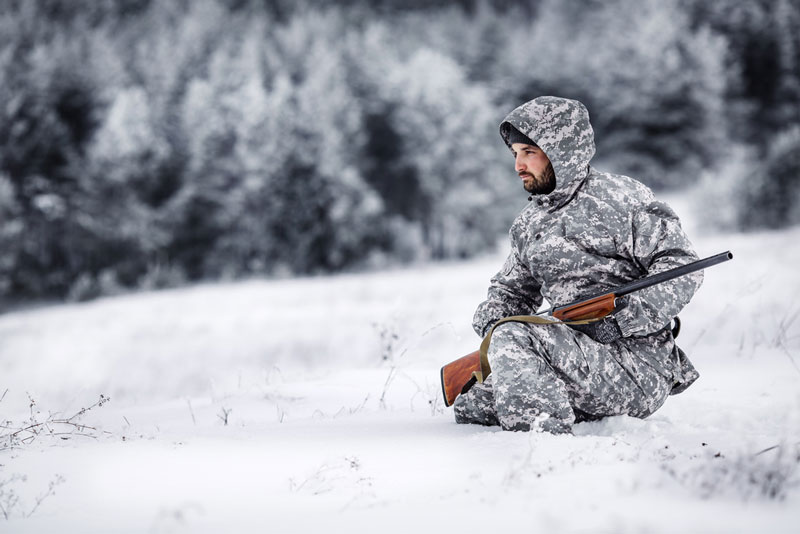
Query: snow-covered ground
305,404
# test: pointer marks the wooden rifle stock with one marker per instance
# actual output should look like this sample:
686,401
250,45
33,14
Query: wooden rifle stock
460,375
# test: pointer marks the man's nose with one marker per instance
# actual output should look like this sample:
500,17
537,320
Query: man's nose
519,165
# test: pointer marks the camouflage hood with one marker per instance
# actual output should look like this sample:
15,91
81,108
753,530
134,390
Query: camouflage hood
562,130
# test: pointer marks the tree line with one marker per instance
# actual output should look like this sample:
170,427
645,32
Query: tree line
148,144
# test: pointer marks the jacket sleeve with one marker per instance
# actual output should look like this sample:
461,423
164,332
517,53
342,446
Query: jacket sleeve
512,291
659,244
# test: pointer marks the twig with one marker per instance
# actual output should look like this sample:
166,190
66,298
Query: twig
389,379
360,406
51,490
103,400
9,498
789,355
389,349
191,411
223,416
779,446
759,453
34,428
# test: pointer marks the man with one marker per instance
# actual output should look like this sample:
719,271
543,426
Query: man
583,232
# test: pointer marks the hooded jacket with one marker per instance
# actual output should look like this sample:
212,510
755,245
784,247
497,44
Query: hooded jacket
594,232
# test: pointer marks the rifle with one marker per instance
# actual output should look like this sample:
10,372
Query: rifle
459,375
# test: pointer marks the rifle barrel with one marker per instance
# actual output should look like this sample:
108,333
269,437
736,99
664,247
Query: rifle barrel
658,278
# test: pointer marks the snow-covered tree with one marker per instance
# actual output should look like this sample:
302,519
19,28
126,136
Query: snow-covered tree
329,217
161,140
52,94
763,63
653,85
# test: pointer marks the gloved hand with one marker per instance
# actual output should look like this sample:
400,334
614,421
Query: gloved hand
605,331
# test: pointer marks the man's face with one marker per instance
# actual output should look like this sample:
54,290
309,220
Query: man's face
534,168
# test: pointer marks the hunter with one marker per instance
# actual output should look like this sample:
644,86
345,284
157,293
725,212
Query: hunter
583,231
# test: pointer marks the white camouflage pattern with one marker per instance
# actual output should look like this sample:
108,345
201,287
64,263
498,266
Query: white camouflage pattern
594,232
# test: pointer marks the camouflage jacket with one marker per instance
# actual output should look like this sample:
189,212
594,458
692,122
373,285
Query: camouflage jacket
595,231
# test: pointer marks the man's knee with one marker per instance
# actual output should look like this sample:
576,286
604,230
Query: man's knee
538,338
510,347
512,332
528,392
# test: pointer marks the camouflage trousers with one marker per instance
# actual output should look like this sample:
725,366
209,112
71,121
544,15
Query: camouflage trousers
551,376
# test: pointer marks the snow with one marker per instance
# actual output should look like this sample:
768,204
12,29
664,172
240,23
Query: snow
334,423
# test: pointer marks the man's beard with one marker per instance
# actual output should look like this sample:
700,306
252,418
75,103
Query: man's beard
543,184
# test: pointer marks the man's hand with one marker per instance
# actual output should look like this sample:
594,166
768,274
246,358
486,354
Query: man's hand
605,331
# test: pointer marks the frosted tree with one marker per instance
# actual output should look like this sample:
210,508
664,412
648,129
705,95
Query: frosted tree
763,103
11,231
654,86
52,92
432,152
145,143
328,216
273,132
450,138
763,60
123,190
218,112
767,194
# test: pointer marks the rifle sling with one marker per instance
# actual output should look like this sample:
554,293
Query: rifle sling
481,375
